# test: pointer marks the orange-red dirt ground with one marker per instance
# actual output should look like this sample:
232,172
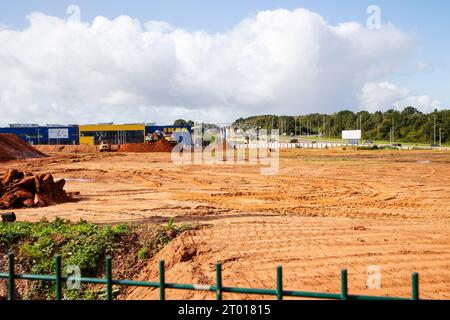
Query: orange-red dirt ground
325,210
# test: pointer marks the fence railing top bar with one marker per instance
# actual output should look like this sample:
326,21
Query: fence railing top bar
218,288
134,283
266,292
305,294
362,297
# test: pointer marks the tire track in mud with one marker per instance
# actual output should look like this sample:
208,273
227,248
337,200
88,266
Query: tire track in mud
324,211
312,252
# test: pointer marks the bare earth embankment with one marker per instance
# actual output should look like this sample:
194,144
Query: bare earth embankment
325,210
12,148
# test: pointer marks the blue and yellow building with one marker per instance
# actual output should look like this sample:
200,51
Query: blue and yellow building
93,134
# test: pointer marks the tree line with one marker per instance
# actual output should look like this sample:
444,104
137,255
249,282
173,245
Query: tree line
408,125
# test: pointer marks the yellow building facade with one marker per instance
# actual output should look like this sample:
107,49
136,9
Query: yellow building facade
112,133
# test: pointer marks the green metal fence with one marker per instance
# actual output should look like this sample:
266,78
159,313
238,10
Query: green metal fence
218,288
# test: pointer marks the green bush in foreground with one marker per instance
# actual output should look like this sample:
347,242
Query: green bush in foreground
81,244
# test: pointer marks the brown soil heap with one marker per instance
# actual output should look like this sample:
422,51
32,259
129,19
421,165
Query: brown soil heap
13,148
21,189
158,146
67,149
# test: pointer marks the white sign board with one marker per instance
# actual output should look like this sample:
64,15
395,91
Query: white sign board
58,133
351,135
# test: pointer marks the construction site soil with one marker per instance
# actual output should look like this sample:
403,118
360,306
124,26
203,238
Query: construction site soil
325,210
158,146
68,148
12,148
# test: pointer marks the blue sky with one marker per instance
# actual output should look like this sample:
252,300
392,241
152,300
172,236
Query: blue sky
427,21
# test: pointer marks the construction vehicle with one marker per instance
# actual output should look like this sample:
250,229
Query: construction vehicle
155,136
159,136
105,146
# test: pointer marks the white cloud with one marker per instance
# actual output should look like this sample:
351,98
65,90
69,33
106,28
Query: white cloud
284,62
385,95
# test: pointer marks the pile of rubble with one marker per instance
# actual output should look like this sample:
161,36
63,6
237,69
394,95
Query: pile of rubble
26,190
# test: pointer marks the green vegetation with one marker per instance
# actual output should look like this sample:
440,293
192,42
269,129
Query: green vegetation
169,232
82,244
190,123
164,235
410,125
181,122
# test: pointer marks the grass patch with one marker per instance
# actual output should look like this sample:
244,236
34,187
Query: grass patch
82,244
164,235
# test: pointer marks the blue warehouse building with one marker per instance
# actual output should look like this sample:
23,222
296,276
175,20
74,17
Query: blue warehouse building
45,135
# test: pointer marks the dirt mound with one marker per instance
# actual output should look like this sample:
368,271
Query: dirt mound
181,265
67,149
22,189
13,148
159,146
5,156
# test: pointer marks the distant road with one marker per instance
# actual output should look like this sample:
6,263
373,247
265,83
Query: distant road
323,144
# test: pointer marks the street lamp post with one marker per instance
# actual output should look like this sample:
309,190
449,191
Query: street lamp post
360,124
323,127
300,128
393,132
329,129
295,126
434,130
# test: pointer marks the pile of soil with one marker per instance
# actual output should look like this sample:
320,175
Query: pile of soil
67,149
13,148
26,190
158,146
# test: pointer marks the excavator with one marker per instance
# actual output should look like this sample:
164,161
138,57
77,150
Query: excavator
155,136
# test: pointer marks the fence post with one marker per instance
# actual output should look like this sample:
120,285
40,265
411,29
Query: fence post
108,278
218,281
415,286
11,276
58,285
344,285
279,283
162,284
